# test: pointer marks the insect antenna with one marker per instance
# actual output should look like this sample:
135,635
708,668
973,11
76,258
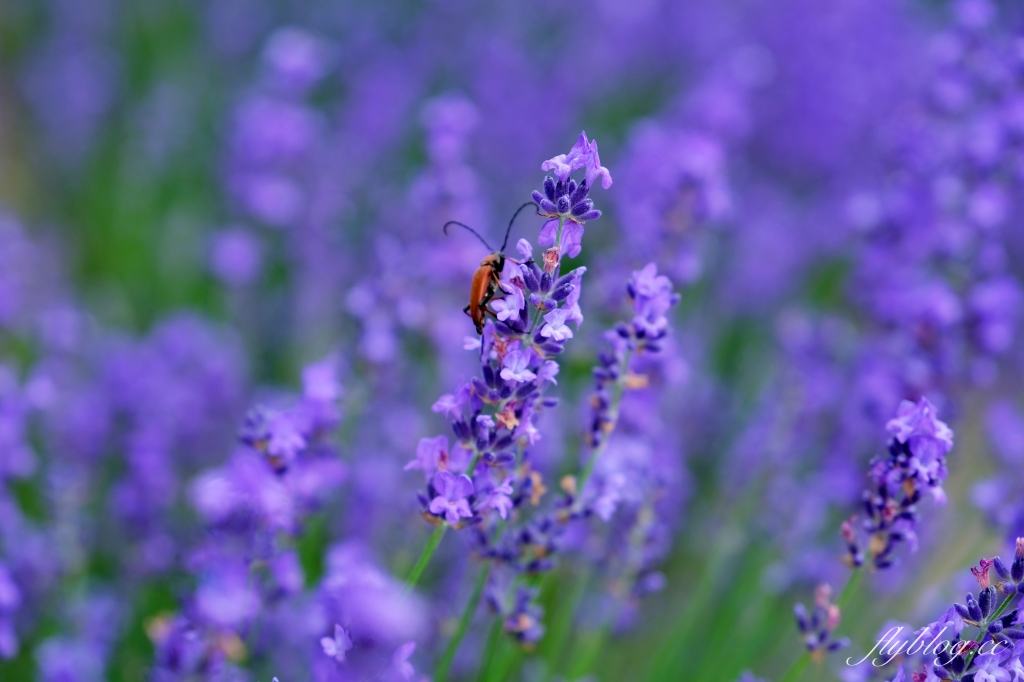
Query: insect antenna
514,216
475,233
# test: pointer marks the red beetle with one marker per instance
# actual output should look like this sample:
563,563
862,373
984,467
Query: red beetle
487,278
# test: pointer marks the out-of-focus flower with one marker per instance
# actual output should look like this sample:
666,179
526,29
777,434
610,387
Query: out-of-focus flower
336,646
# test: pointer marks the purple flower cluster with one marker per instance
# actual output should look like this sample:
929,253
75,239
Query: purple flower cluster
488,480
915,465
935,271
945,650
292,188
817,627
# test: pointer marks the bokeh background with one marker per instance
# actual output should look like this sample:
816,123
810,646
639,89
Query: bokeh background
201,198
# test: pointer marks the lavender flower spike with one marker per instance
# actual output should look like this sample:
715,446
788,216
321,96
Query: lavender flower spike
564,202
915,463
817,626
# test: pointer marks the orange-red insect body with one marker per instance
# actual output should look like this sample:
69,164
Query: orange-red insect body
487,278
485,284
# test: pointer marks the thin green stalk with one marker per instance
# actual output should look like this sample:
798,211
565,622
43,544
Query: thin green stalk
587,651
441,672
492,644
798,667
851,585
558,633
667,659
425,556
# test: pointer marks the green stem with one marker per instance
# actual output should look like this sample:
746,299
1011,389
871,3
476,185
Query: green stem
441,672
794,672
425,556
851,585
797,668
556,637
492,645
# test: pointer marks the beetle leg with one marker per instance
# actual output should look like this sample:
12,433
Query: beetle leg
488,297
466,310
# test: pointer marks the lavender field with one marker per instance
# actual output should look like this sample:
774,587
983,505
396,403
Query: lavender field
622,341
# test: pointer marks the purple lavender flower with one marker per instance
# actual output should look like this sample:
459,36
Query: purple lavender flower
400,661
433,454
916,463
497,498
296,57
515,366
337,646
236,257
565,203
554,327
817,626
917,426
452,492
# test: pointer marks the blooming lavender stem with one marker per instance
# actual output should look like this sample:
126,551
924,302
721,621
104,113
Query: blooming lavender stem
915,464
425,556
611,418
486,469
800,663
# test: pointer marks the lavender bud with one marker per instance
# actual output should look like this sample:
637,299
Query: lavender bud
986,601
529,276
461,429
995,627
537,196
582,208
549,187
1000,567
563,292
962,610
580,194
568,277
545,282
839,644
972,607
801,617
563,204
